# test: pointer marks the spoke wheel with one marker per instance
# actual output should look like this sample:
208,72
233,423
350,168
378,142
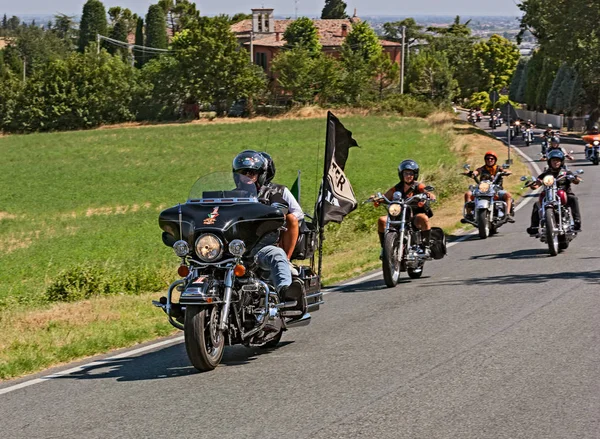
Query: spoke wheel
483,223
551,237
391,263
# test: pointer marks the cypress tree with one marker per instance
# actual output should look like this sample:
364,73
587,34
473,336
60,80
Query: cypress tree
516,81
139,41
5,22
334,9
156,28
93,22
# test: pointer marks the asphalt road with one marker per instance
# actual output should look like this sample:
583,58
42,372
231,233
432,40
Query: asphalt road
497,340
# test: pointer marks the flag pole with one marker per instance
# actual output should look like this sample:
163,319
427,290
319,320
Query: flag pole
321,213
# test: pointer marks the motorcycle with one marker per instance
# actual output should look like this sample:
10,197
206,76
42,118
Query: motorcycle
592,148
528,136
402,249
493,122
478,116
223,297
471,118
556,227
518,128
488,213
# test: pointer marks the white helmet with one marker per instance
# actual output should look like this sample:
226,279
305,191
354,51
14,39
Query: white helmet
549,125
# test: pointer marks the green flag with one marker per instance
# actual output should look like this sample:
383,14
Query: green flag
295,190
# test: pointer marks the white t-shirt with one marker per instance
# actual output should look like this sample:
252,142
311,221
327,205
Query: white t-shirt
294,206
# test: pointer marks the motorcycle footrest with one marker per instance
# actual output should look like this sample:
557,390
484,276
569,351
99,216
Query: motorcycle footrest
290,304
291,313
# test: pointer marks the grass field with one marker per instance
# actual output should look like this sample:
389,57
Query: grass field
78,212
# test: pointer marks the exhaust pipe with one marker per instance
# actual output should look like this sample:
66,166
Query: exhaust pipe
302,321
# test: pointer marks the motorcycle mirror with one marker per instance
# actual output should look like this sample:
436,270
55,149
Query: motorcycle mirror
580,171
505,166
523,178
466,166
429,188
571,152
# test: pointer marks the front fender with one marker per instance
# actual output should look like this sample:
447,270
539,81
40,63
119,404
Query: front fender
482,203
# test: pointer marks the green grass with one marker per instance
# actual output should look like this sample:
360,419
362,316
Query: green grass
71,196
79,210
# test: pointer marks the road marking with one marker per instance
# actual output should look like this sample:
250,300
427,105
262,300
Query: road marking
179,339
92,364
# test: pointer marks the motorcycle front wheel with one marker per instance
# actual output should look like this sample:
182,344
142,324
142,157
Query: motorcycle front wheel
483,223
414,273
551,237
204,342
595,160
390,264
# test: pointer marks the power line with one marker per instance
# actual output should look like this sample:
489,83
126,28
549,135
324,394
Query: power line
126,45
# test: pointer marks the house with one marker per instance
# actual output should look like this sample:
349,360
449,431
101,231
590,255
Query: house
263,36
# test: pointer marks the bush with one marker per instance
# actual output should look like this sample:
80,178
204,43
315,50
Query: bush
87,280
408,106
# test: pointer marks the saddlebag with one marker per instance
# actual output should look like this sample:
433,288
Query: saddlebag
307,241
438,243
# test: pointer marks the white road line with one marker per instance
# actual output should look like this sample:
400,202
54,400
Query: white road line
153,346
83,367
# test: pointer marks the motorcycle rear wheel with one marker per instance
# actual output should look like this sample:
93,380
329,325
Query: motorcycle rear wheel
390,265
204,343
483,223
551,238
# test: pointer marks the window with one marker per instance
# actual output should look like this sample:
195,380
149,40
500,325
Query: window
260,59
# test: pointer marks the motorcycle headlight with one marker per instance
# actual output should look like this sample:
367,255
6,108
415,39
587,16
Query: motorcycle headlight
484,186
596,142
237,247
548,180
181,248
209,247
394,209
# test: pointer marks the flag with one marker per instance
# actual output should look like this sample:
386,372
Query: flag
336,197
295,190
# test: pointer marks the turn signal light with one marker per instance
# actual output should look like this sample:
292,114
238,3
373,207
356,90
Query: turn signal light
183,270
421,203
239,270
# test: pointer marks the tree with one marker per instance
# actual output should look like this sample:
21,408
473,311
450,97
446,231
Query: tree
413,32
430,76
139,41
13,23
38,47
386,73
93,22
551,100
212,67
515,82
181,14
123,21
495,61
334,9
362,40
64,28
240,16
302,33
156,29
4,22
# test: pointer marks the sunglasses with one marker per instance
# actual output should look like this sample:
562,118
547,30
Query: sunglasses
249,172
491,158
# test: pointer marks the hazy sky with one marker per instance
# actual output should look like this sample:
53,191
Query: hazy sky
310,8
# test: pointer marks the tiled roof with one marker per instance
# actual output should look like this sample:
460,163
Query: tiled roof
330,32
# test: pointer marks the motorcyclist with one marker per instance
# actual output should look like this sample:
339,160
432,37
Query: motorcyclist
408,186
289,237
488,172
556,160
593,130
555,144
253,167
547,136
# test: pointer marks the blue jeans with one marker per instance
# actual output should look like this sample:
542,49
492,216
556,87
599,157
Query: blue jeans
274,259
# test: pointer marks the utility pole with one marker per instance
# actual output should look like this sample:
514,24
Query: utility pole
251,47
296,7
402,61
97,44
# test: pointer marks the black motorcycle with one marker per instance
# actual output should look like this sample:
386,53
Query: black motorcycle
223,297
403,246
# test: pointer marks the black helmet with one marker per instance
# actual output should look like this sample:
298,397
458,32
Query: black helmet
251,160
556,154
270,167
555,139
410,165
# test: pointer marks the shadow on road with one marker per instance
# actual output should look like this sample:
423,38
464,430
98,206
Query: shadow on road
592,277
170,362
532,253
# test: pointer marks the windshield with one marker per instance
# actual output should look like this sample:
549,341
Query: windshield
223,187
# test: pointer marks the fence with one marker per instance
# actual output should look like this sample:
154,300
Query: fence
542,118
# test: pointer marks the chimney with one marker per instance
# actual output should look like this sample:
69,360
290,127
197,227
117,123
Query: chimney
344,30
354,16
276,36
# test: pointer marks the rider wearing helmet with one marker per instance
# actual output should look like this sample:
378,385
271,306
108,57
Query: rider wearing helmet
488,172
555,144
556,160
593,130
251,167
547,135
408,186
289,237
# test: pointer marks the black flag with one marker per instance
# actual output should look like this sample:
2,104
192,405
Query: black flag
336,198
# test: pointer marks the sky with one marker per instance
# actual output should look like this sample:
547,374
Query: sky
310,8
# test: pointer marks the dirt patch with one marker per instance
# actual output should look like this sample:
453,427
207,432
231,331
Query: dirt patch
113,210
6,215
